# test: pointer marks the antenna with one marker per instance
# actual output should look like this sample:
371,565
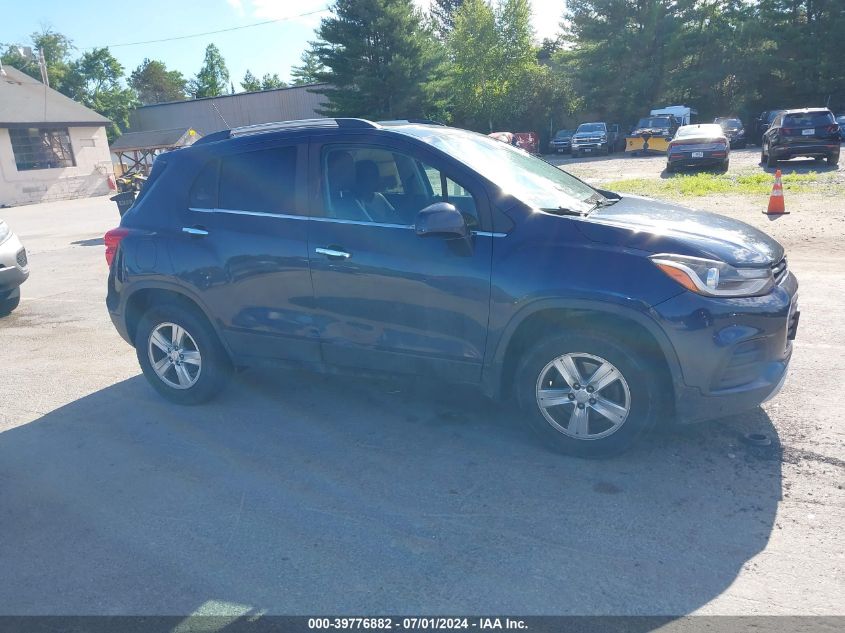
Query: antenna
214,105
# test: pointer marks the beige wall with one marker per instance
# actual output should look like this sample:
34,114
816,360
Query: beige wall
88,178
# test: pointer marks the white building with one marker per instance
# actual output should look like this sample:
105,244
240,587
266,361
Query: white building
51,147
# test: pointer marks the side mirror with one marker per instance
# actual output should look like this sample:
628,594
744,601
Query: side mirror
441,218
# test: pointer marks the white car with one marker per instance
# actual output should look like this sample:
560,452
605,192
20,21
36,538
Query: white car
14,269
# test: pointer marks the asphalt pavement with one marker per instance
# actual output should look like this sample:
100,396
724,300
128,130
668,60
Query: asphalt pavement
299,494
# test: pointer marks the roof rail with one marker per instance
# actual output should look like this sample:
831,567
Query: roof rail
276,126
407,121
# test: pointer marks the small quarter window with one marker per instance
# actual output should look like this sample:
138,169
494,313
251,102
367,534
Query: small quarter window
204,190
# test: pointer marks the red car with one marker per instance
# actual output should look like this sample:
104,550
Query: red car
529,141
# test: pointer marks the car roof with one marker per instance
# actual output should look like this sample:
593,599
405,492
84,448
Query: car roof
705,128
300,125
806,110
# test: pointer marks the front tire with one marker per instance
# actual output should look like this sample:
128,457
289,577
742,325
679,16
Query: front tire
180,355
587,396
10,301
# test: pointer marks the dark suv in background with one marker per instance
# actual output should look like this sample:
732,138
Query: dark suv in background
424,250
561,142
734,131
810,132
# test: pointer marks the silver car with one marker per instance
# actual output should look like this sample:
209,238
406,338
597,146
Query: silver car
14,269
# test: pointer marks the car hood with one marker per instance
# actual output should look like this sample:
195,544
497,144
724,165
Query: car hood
660,227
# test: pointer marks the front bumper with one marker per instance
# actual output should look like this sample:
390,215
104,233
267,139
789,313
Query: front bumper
14,265
734,353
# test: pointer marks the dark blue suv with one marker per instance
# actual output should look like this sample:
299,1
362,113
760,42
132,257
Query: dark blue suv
417,249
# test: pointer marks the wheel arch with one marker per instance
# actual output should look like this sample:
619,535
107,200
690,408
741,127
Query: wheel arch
533,322
143,297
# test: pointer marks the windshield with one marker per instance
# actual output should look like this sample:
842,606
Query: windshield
529,179
563,133
653,122
729,124
591,127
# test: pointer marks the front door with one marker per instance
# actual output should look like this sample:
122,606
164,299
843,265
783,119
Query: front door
386,298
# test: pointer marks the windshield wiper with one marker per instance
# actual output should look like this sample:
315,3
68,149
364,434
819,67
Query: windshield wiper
564,211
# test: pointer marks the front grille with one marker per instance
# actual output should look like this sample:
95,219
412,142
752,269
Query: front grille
21,257
779,270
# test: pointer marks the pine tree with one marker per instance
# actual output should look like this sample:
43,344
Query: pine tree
306,73
378,60
250,82
212,78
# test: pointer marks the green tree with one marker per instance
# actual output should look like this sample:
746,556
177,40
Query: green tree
95,81
250,82
306,73
379,59
270,82
56,48
155,84
442,15
495,77
212,78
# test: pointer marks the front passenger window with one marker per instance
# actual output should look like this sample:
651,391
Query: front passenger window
378,185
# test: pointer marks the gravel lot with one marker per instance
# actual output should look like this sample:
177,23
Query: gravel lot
301,494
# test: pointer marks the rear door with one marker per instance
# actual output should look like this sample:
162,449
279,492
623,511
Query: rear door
386,298
243,249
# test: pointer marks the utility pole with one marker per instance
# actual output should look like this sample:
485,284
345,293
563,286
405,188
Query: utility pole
42,64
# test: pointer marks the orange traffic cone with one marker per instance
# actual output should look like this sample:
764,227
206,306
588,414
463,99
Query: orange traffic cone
776,206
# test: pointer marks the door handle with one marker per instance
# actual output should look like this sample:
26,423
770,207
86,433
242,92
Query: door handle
195,231
332,253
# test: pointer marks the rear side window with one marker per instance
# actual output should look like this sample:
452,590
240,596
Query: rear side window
808,119
261,180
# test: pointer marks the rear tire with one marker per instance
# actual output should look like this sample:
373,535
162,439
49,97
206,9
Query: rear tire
191,365
771,161
10,301
833,160
723,168
624,410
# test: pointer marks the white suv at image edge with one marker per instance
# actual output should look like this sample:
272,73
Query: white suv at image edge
14,269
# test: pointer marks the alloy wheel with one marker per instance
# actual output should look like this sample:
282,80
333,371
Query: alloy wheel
583,396
174,356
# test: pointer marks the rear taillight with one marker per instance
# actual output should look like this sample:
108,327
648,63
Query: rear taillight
112,241
832,129
788,130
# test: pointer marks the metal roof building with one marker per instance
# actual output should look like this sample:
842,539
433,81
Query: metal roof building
212,114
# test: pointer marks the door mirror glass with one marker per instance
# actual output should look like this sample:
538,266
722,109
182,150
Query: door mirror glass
441,218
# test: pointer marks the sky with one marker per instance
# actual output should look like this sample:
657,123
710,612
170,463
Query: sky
270,48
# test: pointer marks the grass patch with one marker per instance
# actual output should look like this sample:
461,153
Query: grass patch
705,184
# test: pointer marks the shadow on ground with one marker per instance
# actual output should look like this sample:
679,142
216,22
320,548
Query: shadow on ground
294,493
800,166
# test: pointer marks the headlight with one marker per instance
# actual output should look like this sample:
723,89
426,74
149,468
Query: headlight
5,231
714,278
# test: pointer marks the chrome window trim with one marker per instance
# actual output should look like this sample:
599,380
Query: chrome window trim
287,216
